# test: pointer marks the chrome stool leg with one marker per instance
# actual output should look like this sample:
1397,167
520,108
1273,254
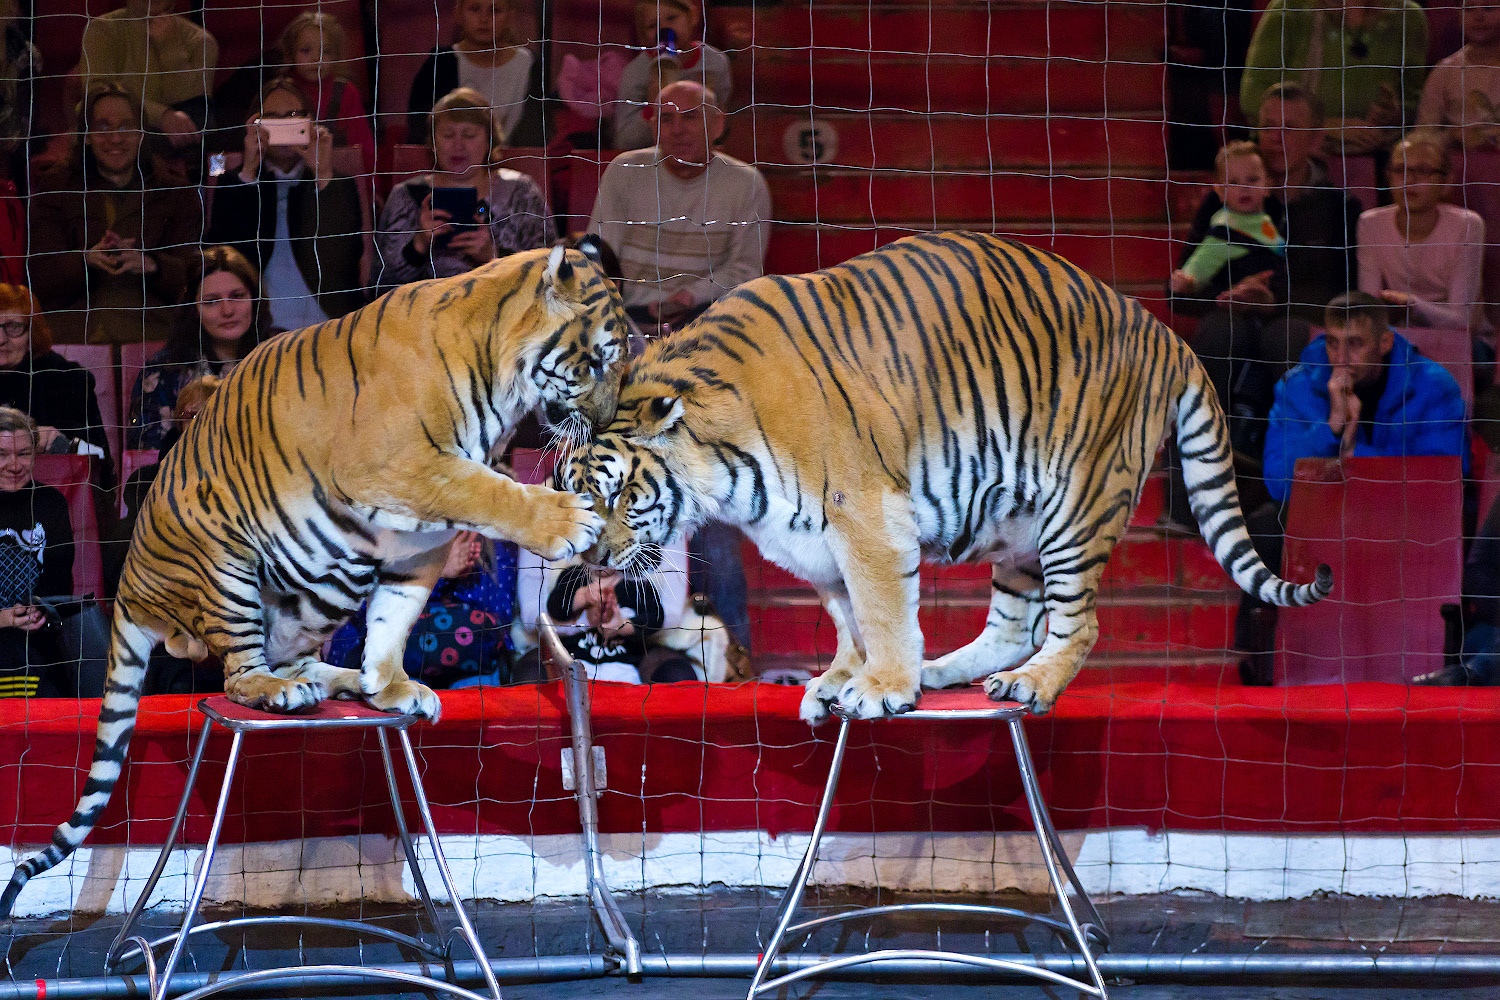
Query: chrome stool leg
330,715
111,956
968,704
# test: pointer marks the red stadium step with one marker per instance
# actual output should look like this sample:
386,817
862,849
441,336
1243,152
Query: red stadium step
910,140
890,197
1086,31
1128,254
1147,620
834,80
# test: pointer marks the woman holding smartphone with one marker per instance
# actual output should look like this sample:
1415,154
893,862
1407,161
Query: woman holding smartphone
466,212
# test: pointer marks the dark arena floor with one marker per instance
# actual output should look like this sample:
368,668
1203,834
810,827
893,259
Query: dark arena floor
724,922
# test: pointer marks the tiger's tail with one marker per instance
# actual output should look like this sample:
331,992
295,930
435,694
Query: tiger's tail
130,649
1208,469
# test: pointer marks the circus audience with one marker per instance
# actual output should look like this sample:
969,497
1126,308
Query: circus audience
669,34
462,637
1422,256
111,249
689,222
467,211
1365,58
51,644
1360,389
227,319
313,49
56,393
1246,338
489,57
20,64
1479,657
292,217
164,61
1463,90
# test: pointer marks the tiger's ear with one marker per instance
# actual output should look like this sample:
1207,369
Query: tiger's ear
660,414
559,269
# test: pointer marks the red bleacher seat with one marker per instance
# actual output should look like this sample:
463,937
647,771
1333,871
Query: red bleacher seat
132,462
74,476
1391,529
1356,175
584,169
99,359
1453,349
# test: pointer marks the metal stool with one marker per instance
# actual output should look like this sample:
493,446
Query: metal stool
955,705
329,715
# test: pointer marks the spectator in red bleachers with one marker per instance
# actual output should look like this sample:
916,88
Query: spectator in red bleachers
668,33
1366,58
1242,240
50,645
1423,256
689,222
111,248
416,241
313,47
1463,90
1248,334
487,56
190,400
20,62
1360,389
163,60
293,218
228,318
55,392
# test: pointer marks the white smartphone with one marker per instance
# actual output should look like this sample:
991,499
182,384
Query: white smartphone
286,131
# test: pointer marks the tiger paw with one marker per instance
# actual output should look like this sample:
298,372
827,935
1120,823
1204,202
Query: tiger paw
1023,687
822,691
270,693
869,696
561,524
407,697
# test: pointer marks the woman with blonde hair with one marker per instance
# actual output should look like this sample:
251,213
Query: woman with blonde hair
419,237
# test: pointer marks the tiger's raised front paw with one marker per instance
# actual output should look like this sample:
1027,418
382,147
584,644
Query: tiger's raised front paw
869,696
821,692
1023,687
408,697
270,693
561,524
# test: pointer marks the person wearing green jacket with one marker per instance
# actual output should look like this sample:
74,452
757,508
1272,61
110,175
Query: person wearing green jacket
1366,60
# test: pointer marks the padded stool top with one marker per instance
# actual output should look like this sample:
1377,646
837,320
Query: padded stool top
329,714
968,702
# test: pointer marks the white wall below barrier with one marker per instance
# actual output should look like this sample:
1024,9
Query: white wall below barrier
1132,861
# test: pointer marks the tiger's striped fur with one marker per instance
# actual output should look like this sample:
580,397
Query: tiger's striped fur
335,464
957,397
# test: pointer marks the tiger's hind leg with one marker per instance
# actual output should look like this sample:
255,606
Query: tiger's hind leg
396,604
1010,630
235,628
1072,569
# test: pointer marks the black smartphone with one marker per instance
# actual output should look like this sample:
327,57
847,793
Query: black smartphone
461,204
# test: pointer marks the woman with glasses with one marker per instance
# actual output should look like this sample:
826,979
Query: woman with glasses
53,391
227,320
1422,256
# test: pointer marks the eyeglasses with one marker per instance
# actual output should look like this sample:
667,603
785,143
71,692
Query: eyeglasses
15,328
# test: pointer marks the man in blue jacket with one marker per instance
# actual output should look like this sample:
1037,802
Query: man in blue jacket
1360,389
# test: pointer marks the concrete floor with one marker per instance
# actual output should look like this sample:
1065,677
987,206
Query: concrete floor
732,922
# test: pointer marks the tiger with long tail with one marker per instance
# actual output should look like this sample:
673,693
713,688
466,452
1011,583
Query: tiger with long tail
956,397
334,465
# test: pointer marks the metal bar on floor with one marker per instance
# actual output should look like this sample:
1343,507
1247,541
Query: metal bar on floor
1157,968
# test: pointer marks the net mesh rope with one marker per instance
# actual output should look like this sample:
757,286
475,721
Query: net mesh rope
1083,128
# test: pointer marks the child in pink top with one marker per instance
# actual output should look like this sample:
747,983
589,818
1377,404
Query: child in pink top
1423,255
312,47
